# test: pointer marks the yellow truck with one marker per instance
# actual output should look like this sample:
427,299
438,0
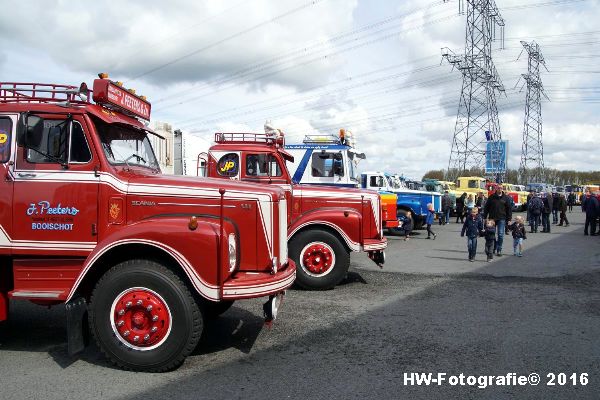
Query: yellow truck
470,185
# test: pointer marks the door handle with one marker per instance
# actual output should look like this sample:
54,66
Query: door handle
26,175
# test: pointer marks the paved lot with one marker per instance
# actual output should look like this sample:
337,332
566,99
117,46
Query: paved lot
429,310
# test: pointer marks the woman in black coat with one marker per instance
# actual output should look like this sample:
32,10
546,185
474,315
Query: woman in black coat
460,208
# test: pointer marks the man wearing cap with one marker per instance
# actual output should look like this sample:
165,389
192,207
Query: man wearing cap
499,208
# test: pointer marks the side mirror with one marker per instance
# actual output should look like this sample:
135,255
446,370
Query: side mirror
30,130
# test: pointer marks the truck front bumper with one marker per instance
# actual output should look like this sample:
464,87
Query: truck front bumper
375,249
391,224
247,284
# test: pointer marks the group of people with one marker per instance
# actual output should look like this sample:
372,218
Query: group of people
491,218
541,205
493,221
464,204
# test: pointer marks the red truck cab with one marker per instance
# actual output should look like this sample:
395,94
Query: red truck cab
325,223
87,219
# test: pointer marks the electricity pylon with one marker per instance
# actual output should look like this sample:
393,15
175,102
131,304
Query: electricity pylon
532,149
477,119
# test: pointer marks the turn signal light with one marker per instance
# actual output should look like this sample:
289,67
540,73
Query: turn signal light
193,224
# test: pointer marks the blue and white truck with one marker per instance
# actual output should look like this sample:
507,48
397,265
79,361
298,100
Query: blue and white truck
331,160
324,160
415,201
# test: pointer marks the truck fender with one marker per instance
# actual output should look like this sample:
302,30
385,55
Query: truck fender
345,222
165,236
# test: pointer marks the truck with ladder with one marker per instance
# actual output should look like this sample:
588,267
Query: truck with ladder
88,221
325,224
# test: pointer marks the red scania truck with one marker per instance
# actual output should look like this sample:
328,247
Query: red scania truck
88,220
325,223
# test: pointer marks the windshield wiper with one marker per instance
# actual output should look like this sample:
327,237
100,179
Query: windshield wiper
139,158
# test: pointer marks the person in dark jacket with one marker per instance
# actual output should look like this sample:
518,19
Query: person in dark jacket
489,232
571,201
527,202
429,221
498,207
555,210
460,207
518,233
546,211
446,207
472,227
407,225
591,208
480,201
562,208
512,207
534,209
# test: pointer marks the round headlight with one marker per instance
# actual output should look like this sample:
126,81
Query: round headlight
232,246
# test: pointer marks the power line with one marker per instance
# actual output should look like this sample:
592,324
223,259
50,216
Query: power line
227,38
235,83
304,50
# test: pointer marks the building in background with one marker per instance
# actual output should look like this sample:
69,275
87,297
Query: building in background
163,148
191,147
178,152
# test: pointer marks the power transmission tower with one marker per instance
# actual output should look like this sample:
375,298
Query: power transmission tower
532,149
477,119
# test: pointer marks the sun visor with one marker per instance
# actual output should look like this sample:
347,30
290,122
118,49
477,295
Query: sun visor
287,156
111,117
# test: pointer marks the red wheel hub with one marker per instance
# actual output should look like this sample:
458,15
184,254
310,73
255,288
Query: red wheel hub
317,258
141,318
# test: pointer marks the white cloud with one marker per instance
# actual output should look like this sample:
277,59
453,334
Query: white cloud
132,38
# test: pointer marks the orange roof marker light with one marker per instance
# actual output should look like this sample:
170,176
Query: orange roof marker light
103,75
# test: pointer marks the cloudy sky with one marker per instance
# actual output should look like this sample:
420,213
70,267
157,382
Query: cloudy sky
370,66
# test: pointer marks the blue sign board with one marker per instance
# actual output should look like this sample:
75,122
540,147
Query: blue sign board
496,156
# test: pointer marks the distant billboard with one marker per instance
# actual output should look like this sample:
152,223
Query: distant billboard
495,156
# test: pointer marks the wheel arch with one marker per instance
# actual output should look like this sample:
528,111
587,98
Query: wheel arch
107,258
330,228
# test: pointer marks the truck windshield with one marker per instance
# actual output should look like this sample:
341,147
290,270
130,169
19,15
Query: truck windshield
436,188
394,184
126,146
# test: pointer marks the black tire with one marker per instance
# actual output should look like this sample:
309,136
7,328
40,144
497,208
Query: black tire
213,309
186,318
337,271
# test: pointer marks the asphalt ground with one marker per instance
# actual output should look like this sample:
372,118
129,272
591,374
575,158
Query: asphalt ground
429,310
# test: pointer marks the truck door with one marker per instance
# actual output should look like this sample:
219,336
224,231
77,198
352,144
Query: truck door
56,188
7,150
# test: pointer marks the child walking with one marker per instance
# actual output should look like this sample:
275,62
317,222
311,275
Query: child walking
472,227
489,233
407,225
518,233
429,221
